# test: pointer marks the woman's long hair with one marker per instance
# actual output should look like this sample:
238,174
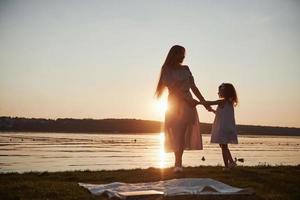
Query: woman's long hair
174,57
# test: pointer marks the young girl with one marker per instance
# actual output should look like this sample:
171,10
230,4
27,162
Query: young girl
224,129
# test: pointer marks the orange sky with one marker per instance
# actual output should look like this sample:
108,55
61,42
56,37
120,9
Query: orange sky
101,59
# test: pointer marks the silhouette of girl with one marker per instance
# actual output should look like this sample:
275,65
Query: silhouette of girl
224,129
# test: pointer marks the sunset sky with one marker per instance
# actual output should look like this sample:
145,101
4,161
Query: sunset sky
101,59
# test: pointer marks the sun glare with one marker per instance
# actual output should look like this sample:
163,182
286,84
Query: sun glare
161,106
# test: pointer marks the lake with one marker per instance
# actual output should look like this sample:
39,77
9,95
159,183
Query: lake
22,152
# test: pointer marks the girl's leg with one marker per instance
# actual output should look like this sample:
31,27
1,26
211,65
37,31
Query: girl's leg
229,156
231,163
224,148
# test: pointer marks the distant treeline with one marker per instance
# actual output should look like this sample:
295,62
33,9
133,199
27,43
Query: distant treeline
66,125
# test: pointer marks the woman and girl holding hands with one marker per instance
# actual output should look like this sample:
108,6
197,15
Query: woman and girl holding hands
182,127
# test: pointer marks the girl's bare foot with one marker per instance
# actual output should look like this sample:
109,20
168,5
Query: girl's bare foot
232,165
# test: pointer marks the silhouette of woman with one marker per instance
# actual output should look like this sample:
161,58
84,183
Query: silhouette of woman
181,127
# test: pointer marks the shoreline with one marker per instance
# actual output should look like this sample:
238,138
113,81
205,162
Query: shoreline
268,182
155,168
121,133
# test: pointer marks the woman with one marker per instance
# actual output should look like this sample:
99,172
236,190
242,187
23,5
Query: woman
181,126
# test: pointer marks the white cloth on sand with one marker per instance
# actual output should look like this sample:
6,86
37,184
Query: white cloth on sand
173,187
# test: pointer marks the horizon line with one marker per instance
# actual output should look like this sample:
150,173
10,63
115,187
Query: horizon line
138,119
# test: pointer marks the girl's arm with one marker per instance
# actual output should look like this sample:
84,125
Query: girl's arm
217,102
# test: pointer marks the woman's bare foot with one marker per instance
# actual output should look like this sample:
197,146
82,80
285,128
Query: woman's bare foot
177,169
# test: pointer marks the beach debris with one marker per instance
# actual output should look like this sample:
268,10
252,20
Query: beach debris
239,159
203,158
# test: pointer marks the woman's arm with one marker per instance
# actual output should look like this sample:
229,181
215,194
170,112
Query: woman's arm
199,95
197,92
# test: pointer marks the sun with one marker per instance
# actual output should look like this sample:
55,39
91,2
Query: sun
161,106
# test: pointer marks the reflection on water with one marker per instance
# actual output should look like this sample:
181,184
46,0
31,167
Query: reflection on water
65,151
162,154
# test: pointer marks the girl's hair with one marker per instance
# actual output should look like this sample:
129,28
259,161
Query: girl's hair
173,58
229,93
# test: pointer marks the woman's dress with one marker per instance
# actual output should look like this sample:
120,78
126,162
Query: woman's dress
181,127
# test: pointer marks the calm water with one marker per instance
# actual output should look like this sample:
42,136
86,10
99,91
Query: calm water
60,151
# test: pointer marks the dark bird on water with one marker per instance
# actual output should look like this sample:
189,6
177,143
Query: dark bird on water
239,159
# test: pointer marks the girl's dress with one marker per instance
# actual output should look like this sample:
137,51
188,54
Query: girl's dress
224,129
181,127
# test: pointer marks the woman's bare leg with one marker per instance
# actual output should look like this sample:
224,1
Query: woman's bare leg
176,155
181,142
178,158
